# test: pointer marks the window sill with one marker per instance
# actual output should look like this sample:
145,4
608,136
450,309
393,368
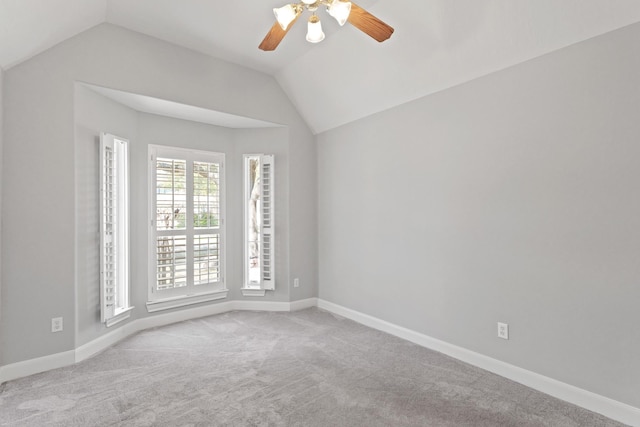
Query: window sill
123,315
252,292
181,301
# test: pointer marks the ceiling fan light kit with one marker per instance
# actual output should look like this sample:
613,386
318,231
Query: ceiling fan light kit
314,30
341,10
285,15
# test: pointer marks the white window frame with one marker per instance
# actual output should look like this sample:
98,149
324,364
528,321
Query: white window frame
266,211
162,299
114,230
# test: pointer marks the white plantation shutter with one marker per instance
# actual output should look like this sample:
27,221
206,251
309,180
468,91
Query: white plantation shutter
114,230
187,225
107,228
267,235
259,224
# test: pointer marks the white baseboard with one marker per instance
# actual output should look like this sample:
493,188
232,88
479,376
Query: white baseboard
304,303
59,360
37,365
180,316
253,305
101,343
594,402
608,407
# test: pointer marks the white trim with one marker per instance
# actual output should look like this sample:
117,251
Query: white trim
182,315
608,407
103,342
261,305
114,228
266,210
85,351
303,303
246,292
594,402
37,365
190,157
181,301
123,315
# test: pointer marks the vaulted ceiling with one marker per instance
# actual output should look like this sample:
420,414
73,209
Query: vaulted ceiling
437,44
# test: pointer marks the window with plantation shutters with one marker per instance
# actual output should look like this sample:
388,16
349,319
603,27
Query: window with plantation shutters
259,201
114,230
187,227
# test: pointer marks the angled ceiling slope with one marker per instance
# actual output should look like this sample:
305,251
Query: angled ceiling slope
437,43
163,107
29,27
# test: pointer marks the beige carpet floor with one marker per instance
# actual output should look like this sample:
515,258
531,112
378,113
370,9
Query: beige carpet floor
307,368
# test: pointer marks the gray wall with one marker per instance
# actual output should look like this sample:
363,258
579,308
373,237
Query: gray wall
40,276
95,113
512,198
302,213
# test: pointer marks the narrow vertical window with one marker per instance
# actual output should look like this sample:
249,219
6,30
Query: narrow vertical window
114,229
259,230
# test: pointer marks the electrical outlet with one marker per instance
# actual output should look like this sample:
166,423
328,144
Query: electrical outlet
56,324
503,330
296,283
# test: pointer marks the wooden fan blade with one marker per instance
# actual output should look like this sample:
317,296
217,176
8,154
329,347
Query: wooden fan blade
276,34
369,24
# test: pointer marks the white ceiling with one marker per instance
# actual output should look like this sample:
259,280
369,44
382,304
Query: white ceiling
437,43
162,107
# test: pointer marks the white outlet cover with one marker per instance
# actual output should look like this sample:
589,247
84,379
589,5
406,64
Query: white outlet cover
56,324
503,330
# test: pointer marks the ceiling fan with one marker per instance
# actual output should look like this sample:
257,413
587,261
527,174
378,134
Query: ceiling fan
341,10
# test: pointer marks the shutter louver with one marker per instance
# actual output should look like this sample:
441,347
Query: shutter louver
108,202
187,225
114,232
267,231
